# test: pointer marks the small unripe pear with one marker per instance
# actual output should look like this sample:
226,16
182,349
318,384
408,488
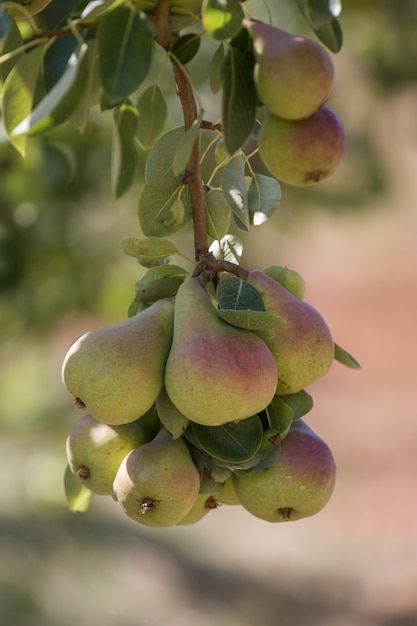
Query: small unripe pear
293,74
228,494
203,504
302,152
298,485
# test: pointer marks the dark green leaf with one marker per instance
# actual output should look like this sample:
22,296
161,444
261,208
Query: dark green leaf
280,417
77,495
56,59
216,69
319,11
264,195
330,34
252,320
125,48
159,282
185,48
345,358
9,44
265,459
222,19
92,92
233,183
123,152
212,474
239,99
301,403
232,442
237,294
148,247
152,116
162,214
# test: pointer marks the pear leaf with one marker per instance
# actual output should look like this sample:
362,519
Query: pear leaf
231,442
170,417
159,174
265,459
264,195
251,320
234,188
280,416
185,48
123,150
159,282
218,214
162,214
237,294
152,110
11,41
239,99
248,466
301,403
345,358
322,18
229,248
148,248
125,50
98,8
92,92
185,145
77,495
216,69
222,19
212,473
288,278
330,34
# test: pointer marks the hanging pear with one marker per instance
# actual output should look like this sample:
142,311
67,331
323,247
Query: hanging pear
158,483
293,74
215,373
303,347
117,372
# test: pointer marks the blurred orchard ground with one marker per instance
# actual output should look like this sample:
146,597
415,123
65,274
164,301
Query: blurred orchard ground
353,238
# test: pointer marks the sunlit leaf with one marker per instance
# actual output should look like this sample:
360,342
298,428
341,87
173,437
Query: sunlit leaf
123,151
148,247
222,19
152,116
234,188
162,214
264,195
229,248
77,495
98,8
125,49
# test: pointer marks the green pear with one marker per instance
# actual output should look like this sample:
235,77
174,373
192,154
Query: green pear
158,483
228,494
117,371
95,450
290,279
302,152
293,74
299,485
204,504
303,347
21,9
215,373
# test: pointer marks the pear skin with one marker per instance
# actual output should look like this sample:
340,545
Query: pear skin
215,373
203,504
293,74
95,450
117,372
299,485
157,483
303,347
302,152
228,494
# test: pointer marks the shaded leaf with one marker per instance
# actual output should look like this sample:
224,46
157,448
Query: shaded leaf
251,320
231,442
152,116
159,175
233,183
185,145
98,8
212,474
229,248
159,282
222,19
280,417
9,42
264,195
56,59
216,69
125,48
123,150
77,495
148,247
301,403
162,214
321,16
218,214
330,34
345,358
92,91
186,47
237,294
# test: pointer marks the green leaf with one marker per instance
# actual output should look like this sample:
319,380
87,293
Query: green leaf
185,48
159,282
162,214
216,69
152,116
229,248
125,48
185,145
159,174
9,43
57,105
280,417
18,94
237,294
77,495
251,320
222,19
345,358
56,59
321,16
264,195
218,214
239,99
233,183
170,417
92,92
148,247
123,151
301,403
98,8
330,34
288,278
231,442
212,474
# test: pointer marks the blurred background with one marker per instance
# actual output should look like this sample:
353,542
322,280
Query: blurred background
353,238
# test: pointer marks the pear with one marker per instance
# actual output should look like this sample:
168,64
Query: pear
288,278
203,504
95,450
117,371
293,74
228,494
303,347
157,483
215,373
299,485
302,152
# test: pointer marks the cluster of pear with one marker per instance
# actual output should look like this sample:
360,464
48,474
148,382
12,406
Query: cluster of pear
187,411
302,141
